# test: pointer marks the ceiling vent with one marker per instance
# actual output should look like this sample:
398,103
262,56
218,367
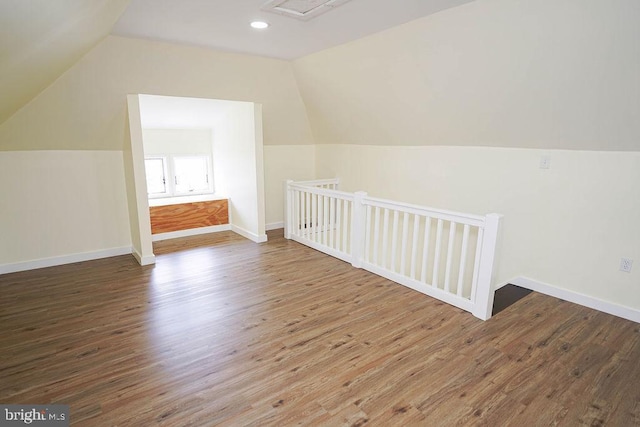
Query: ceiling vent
301,9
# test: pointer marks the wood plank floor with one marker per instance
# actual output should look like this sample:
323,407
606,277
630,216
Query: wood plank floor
223,331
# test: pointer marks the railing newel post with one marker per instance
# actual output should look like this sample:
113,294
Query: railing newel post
483,304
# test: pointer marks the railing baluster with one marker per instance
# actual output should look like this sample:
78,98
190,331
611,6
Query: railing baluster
339,224
447,271
294,220
403,243
307,218
325,219
330,221
376,235
346,224
414,246
436,260
385,238
314,217
332,208
394,240
425,249
463,259
299,215
367,235
320,219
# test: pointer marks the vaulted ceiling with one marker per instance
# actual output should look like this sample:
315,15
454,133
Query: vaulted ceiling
40,39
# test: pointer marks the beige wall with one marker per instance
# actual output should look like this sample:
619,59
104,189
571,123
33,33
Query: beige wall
84,112
282,162
511,73
412,114
85,108
42,39
567,226
57,203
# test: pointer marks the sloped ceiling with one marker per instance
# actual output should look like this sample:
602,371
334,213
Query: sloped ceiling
40,39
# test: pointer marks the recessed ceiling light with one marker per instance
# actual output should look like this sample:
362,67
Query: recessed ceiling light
260,25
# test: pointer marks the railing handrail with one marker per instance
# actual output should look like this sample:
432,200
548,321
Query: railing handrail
323,191
319,181
459,217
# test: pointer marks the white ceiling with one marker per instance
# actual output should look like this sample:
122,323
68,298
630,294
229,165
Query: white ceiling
224,24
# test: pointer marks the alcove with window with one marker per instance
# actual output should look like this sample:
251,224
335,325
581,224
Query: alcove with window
180,183
197,167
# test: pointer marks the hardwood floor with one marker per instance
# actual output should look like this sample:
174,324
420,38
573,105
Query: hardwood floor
223,331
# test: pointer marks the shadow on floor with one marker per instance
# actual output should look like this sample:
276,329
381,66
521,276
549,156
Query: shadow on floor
507,295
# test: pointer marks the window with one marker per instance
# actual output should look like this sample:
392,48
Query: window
171,175
156,176
192,174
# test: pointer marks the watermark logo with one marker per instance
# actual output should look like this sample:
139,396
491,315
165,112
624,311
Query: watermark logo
36,415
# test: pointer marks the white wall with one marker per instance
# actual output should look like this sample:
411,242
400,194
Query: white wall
177,141
58,203
236,141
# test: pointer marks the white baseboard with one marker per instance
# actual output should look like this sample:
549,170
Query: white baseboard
274,226
190,232
64,259
143,260
249,235
578,298
500,285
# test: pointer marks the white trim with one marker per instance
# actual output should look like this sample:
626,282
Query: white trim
190,232
578,298
178,200
143,260
423,288
64,259
500,285
274,226
249,235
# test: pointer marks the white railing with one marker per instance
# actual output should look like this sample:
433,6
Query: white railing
443,254
319,217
